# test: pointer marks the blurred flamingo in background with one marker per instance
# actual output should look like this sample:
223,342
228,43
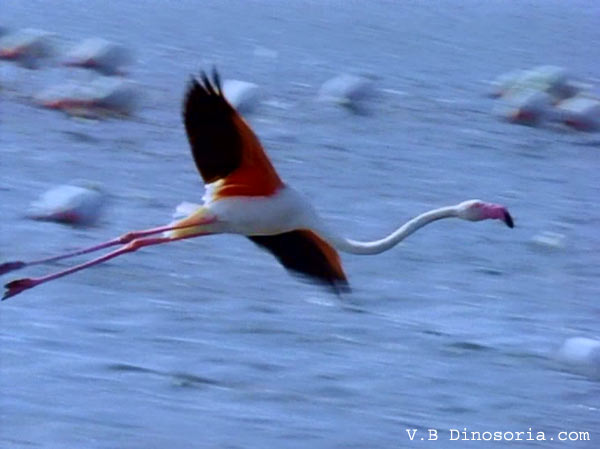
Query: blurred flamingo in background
98,54
244,195
102,97
581,112
27,47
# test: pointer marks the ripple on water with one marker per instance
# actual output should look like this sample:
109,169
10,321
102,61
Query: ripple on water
189,380
460,347
78,136
179,379
129,368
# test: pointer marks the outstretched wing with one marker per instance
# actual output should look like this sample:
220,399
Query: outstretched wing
305,253
223,145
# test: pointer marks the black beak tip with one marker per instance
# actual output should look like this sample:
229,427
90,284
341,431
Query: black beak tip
508,220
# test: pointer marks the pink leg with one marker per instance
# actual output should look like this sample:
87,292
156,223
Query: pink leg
17,286
125,238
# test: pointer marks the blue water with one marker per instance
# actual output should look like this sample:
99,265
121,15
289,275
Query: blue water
210,343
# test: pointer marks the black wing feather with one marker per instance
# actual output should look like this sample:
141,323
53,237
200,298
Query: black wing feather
301,255
209,122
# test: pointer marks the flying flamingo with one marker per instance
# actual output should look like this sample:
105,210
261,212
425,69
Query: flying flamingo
244,195
100,55
26,47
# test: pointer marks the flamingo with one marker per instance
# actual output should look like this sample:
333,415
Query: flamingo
553,80
100,55
79,203
244,195
26,47
581,112
526,107
102,97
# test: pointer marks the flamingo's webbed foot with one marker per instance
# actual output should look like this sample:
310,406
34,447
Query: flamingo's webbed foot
17,286
11,266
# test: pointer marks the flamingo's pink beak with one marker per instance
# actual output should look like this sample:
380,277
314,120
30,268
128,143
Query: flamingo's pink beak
498,212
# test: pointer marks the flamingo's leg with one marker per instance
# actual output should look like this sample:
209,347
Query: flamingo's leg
123,239
17,286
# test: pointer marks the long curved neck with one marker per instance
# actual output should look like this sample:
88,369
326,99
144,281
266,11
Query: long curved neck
379,246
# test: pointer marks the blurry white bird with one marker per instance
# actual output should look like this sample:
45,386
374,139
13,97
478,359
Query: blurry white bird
27,47
351,91
553,80
242,95
72,204
101,97
581,112
582,355
105,57
526,107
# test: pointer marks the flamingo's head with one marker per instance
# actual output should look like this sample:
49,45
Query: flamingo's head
476,210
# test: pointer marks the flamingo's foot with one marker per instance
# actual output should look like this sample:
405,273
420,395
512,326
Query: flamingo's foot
17,286
10,266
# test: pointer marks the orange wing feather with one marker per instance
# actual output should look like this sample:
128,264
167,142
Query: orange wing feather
225,149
